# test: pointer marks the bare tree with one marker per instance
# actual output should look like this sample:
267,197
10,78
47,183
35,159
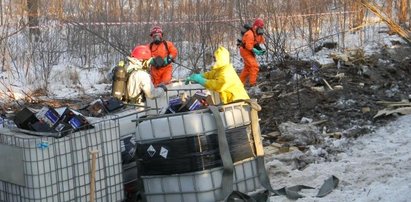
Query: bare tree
47,54
359,14
388,8
403,12
112,28
33,18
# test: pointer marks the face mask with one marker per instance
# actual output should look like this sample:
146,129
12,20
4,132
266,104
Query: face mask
260,31
156,39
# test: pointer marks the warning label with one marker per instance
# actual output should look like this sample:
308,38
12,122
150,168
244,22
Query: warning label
163,152
151,151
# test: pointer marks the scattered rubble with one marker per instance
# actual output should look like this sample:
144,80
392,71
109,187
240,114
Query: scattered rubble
342,96
313,109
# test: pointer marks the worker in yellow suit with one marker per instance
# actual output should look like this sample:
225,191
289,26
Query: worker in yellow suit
222,78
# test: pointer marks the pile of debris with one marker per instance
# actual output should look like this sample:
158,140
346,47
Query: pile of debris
305,103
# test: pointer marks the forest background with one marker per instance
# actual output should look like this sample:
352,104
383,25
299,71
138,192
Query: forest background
37,36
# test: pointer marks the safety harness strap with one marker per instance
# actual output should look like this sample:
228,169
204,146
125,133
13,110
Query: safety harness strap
227,181
165,44
255,129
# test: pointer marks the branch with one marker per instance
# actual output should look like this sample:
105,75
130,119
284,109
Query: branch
13,33
393,26
116,47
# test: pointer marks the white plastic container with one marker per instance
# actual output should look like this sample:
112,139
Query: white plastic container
160,105
192,123
202,186
127,120
58,169
173,89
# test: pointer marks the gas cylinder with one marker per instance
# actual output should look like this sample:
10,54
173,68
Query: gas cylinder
119,82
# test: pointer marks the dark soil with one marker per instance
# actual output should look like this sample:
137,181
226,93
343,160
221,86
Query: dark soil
382,77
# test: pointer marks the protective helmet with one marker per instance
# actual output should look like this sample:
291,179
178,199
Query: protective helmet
259,23
141,52
156,30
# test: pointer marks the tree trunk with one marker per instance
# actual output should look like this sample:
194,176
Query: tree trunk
409,11
60,9
389,8
359,17
1,12
33,12
403,12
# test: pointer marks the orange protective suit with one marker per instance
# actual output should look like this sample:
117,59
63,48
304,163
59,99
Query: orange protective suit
250,70
162,74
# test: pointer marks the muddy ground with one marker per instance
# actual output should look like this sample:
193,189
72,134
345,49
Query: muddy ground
298,91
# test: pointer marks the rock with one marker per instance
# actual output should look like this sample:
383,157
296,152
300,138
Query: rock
391,68
270,150
277,168
300,134
320,89
289,156
255,90
326,62
382,63
306,120
277,74
273,134
392,91
366,71
340,56
365,109
340,75
338,87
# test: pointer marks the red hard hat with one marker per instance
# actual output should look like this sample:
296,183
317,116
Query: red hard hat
259,23
141,52
155,30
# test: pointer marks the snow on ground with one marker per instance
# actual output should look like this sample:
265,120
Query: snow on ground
374,167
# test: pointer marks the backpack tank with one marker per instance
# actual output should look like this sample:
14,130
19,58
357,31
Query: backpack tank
119,83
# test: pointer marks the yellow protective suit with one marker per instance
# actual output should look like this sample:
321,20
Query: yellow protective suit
223,79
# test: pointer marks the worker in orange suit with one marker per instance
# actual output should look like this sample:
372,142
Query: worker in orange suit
163,53
250,47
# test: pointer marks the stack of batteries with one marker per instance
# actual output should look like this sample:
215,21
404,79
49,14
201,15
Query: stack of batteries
183,103
48,119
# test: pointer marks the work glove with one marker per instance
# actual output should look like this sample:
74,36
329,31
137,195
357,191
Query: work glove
188,79
164,87
168,59
198,78
258,52
158,62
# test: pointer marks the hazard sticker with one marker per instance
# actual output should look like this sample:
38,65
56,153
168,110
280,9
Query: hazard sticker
163,152
151,151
